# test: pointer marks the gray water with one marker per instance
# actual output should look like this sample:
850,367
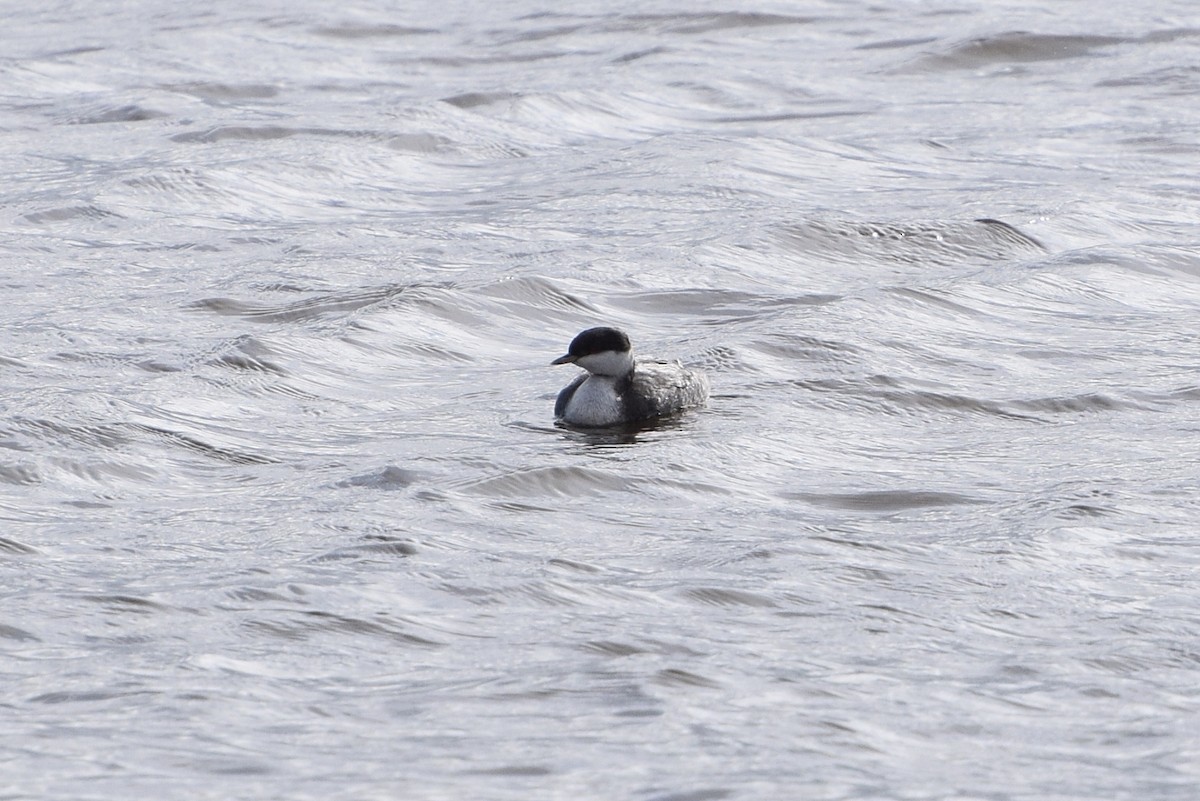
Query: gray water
285,514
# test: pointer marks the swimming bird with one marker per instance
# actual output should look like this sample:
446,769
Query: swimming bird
617,388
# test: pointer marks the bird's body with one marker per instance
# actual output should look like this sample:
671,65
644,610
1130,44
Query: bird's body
618,389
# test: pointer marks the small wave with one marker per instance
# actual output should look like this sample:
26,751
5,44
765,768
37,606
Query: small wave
387,549
254,367
310,308
176,183
717,596
518,771
254,133
381,31
251,355
534,295
1074,404
70,213
19,474
706,22
612,648
131,112
570,115
882,393
808,349
1013,47
1170,81
104,436
224,92
947,243
19,635
884,500
11,546
470,100
897,44
423,143
128,603
635,55
193,444
677,677
306,624
389,478
1019,47
86,696
715,304
551,482
102,471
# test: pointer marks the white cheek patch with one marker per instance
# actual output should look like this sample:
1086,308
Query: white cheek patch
609,362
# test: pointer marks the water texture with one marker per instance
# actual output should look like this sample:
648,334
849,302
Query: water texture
284,511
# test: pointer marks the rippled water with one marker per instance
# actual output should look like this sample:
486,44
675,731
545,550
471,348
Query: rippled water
285,513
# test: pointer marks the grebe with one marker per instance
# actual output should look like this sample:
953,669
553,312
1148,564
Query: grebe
617,389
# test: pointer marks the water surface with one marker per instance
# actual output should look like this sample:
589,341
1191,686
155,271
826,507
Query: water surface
285,512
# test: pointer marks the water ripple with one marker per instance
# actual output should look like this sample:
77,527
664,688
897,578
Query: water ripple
283,286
